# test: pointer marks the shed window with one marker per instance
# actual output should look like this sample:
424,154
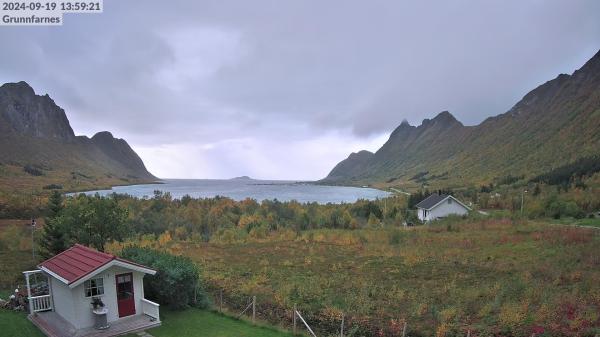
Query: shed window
449,200
94,287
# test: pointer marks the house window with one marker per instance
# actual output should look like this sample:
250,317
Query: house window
449,200
94,287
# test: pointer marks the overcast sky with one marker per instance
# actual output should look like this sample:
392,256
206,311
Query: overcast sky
285,89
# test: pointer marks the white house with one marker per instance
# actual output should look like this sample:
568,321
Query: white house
438,206
77,277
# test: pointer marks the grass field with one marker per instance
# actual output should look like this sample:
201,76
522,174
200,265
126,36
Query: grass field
15,324
593,222
490,277
493,277
188,323
201,323
15,252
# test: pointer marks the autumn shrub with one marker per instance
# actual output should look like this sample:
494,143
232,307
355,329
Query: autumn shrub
177,282
557,208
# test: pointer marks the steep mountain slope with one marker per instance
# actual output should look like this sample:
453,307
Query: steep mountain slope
352,165
38,148
554,124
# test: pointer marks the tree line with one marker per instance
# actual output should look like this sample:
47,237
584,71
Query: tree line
94,220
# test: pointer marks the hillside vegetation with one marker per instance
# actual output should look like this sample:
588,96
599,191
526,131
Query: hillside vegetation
553,125
492,277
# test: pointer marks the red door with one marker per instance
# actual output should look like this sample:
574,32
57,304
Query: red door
125,299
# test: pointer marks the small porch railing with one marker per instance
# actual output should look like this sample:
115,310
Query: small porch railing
39,294
41,303
151,309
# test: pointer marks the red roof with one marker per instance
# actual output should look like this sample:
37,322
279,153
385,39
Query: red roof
79,261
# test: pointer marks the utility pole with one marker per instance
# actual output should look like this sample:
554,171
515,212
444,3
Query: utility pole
523,200
32,238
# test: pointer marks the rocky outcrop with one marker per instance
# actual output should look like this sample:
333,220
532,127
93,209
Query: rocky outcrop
24,112
351,166
120,151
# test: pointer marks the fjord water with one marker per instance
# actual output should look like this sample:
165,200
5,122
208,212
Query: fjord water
240,189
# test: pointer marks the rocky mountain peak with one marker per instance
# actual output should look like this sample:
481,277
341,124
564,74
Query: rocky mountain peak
29,114
103,135
360,154
21,88
444,119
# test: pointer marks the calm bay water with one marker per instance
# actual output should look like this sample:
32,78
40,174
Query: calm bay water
239,189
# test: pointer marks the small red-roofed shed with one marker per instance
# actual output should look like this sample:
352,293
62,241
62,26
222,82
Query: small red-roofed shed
84,283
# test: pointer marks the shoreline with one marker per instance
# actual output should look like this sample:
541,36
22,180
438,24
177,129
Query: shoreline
259,190
110,187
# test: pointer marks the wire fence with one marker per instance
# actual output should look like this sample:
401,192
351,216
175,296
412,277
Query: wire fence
305,322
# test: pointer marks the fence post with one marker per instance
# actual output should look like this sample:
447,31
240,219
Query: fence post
221,300
294,318
404,330
253,309
342,327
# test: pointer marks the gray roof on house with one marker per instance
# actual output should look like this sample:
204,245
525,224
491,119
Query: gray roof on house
431,201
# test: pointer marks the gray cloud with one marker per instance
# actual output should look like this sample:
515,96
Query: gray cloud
211,82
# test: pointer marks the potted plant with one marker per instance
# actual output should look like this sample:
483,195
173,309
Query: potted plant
97,303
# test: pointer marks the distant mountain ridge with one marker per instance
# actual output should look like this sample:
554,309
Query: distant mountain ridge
35,132
554,124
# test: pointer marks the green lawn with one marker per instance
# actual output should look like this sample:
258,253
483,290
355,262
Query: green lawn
188,323
15,324
202,323
593,222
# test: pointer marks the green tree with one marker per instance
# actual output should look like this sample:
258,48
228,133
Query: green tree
53,241
91,221
55,204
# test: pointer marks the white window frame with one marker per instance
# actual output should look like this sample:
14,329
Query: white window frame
87,285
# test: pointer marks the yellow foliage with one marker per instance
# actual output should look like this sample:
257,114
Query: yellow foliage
442,330
512,315
448,314
164,239
485,310
245,220
331,313
422,309
181,233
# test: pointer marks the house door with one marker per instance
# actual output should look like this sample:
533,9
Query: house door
125,298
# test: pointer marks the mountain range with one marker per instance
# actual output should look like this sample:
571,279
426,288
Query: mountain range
39,148
555,124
